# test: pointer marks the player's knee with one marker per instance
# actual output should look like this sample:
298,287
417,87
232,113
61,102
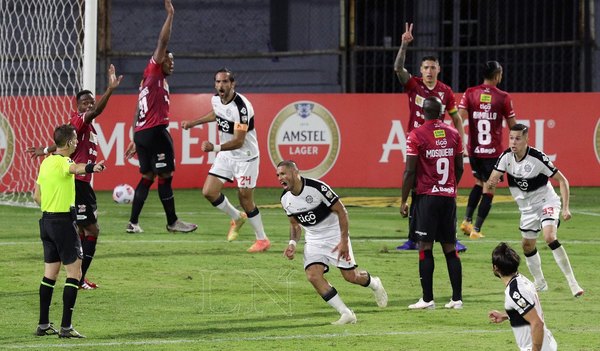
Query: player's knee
314,276
92,229
528,246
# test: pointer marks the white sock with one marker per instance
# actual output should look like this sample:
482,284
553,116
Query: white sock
259,230
534,263
561,258
337,303
228,208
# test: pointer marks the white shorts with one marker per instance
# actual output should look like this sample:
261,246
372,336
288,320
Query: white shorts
245,171
534,219
320,252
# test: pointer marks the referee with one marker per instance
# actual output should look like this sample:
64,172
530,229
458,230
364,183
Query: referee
55,193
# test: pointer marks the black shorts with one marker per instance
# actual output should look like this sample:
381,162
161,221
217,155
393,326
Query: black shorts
482,167
85,203
59,238
435,219
154,147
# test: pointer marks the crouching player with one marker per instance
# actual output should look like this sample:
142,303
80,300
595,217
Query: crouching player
312,205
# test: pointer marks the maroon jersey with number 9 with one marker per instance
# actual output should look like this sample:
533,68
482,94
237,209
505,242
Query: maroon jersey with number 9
436,144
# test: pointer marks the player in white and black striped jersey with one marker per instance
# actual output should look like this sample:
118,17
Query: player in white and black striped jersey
528,171
238,157
521,303
313,205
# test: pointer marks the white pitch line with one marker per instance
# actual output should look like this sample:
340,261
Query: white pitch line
266,338
254,338
202,241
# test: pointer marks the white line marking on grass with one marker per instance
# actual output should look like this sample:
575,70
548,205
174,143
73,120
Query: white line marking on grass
253,338
202,241
271,338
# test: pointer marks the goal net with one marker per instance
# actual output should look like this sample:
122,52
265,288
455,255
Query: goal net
40,71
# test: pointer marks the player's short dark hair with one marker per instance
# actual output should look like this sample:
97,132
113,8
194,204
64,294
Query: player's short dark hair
432,107
520,127
490,69
62,134
228,71
430,58
505,259
82,93
288,163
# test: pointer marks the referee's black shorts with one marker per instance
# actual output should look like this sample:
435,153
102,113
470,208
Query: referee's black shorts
59,238
154,147
435,219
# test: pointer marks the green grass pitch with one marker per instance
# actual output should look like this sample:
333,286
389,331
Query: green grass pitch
163,291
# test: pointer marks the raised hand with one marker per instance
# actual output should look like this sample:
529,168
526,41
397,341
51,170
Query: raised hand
113,81
407,36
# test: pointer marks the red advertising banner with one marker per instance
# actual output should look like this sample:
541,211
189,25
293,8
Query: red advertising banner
347,140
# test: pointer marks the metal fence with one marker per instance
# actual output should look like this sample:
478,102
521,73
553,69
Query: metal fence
332,46
544,45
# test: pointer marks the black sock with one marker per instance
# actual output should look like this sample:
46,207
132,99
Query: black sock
474,197
165,192
426,268
141,193
69,297
89,249
366,285
532,253
484,209
46,290
554,245
455,274
330,294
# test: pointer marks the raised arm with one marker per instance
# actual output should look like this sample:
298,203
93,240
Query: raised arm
113,83
209,117
83,168
165,34
401,72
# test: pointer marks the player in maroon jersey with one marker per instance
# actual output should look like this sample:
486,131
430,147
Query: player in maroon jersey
434,157
486,107
418,89
86,152
152,140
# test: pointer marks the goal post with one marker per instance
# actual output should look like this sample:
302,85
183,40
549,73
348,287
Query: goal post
42,50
